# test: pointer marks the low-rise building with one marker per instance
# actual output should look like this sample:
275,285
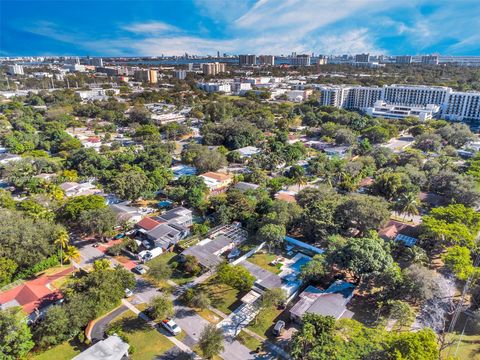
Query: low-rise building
330,302
216,182
73,189
391,111
248,151
112,348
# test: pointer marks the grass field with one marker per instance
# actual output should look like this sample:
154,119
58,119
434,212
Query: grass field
266,320
147,342
249,341
469,345
263,260
223,297
63,351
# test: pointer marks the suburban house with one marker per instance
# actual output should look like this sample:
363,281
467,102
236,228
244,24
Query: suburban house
216,182
286,195
329,302
73,189
245,186
248,151
112,348
34,296
167,229
399,231
208,251
126,214
183,170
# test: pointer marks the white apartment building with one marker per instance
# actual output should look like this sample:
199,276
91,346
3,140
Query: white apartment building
15,69
215,87
180,74
453,105
390,111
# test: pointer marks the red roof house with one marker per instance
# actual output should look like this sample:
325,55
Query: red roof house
33,294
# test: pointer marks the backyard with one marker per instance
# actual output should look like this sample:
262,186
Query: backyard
178,276
146,343
63,351
266,320
263,260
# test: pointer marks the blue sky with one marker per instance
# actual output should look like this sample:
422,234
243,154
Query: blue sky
149,28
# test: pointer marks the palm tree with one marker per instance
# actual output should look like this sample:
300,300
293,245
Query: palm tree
62,241
408,204
71,253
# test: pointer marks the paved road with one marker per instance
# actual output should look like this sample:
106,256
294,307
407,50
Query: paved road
98,330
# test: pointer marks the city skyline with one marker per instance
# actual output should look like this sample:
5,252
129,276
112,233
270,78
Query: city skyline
153,28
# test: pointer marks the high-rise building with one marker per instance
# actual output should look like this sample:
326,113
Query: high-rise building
247,60
97,62
213,68
180,74
362,58
15,69
147,75
301,60
430,59
266,60
404,59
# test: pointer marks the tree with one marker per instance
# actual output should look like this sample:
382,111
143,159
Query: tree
407,204
7,269
428,142
76,205
401,312
315,269
273,297
376,134
345,136
16,338
160,271
363,213
457,134
392,185
315,340
420,345
6,200
62,241
272,234
101,264
235,276
211,341
54,328
130,184
364,258
97,221
191,265
458,259
298,174
200,300
71,253
203,158
419,282
139,114
161,307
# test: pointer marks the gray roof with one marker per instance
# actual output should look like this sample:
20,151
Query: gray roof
176,212
112,348
163,230
265,279
244,186
205,250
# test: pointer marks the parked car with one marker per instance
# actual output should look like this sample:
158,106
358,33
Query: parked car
234,253
139,269
171,326
279,326
128,293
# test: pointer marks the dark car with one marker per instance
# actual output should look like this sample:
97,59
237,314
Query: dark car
279,326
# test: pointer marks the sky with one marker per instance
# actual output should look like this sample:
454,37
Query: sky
153,28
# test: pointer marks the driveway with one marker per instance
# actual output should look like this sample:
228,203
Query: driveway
98,330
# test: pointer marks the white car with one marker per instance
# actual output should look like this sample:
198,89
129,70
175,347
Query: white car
128,293
171,326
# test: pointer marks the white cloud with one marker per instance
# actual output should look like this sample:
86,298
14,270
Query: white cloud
153,27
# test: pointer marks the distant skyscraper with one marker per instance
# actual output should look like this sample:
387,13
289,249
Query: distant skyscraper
247,60
301,60
362,58
430,59
218,54
266,60
97,62
404,59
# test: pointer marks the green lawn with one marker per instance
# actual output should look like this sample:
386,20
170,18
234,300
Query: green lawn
178,276
249,341
64,351
223,297
147,342
469,346
209,315
263,260
265,321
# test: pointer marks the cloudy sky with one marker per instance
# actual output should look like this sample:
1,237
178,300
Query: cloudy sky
148,28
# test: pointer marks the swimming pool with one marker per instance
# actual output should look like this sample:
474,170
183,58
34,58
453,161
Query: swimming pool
297,265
